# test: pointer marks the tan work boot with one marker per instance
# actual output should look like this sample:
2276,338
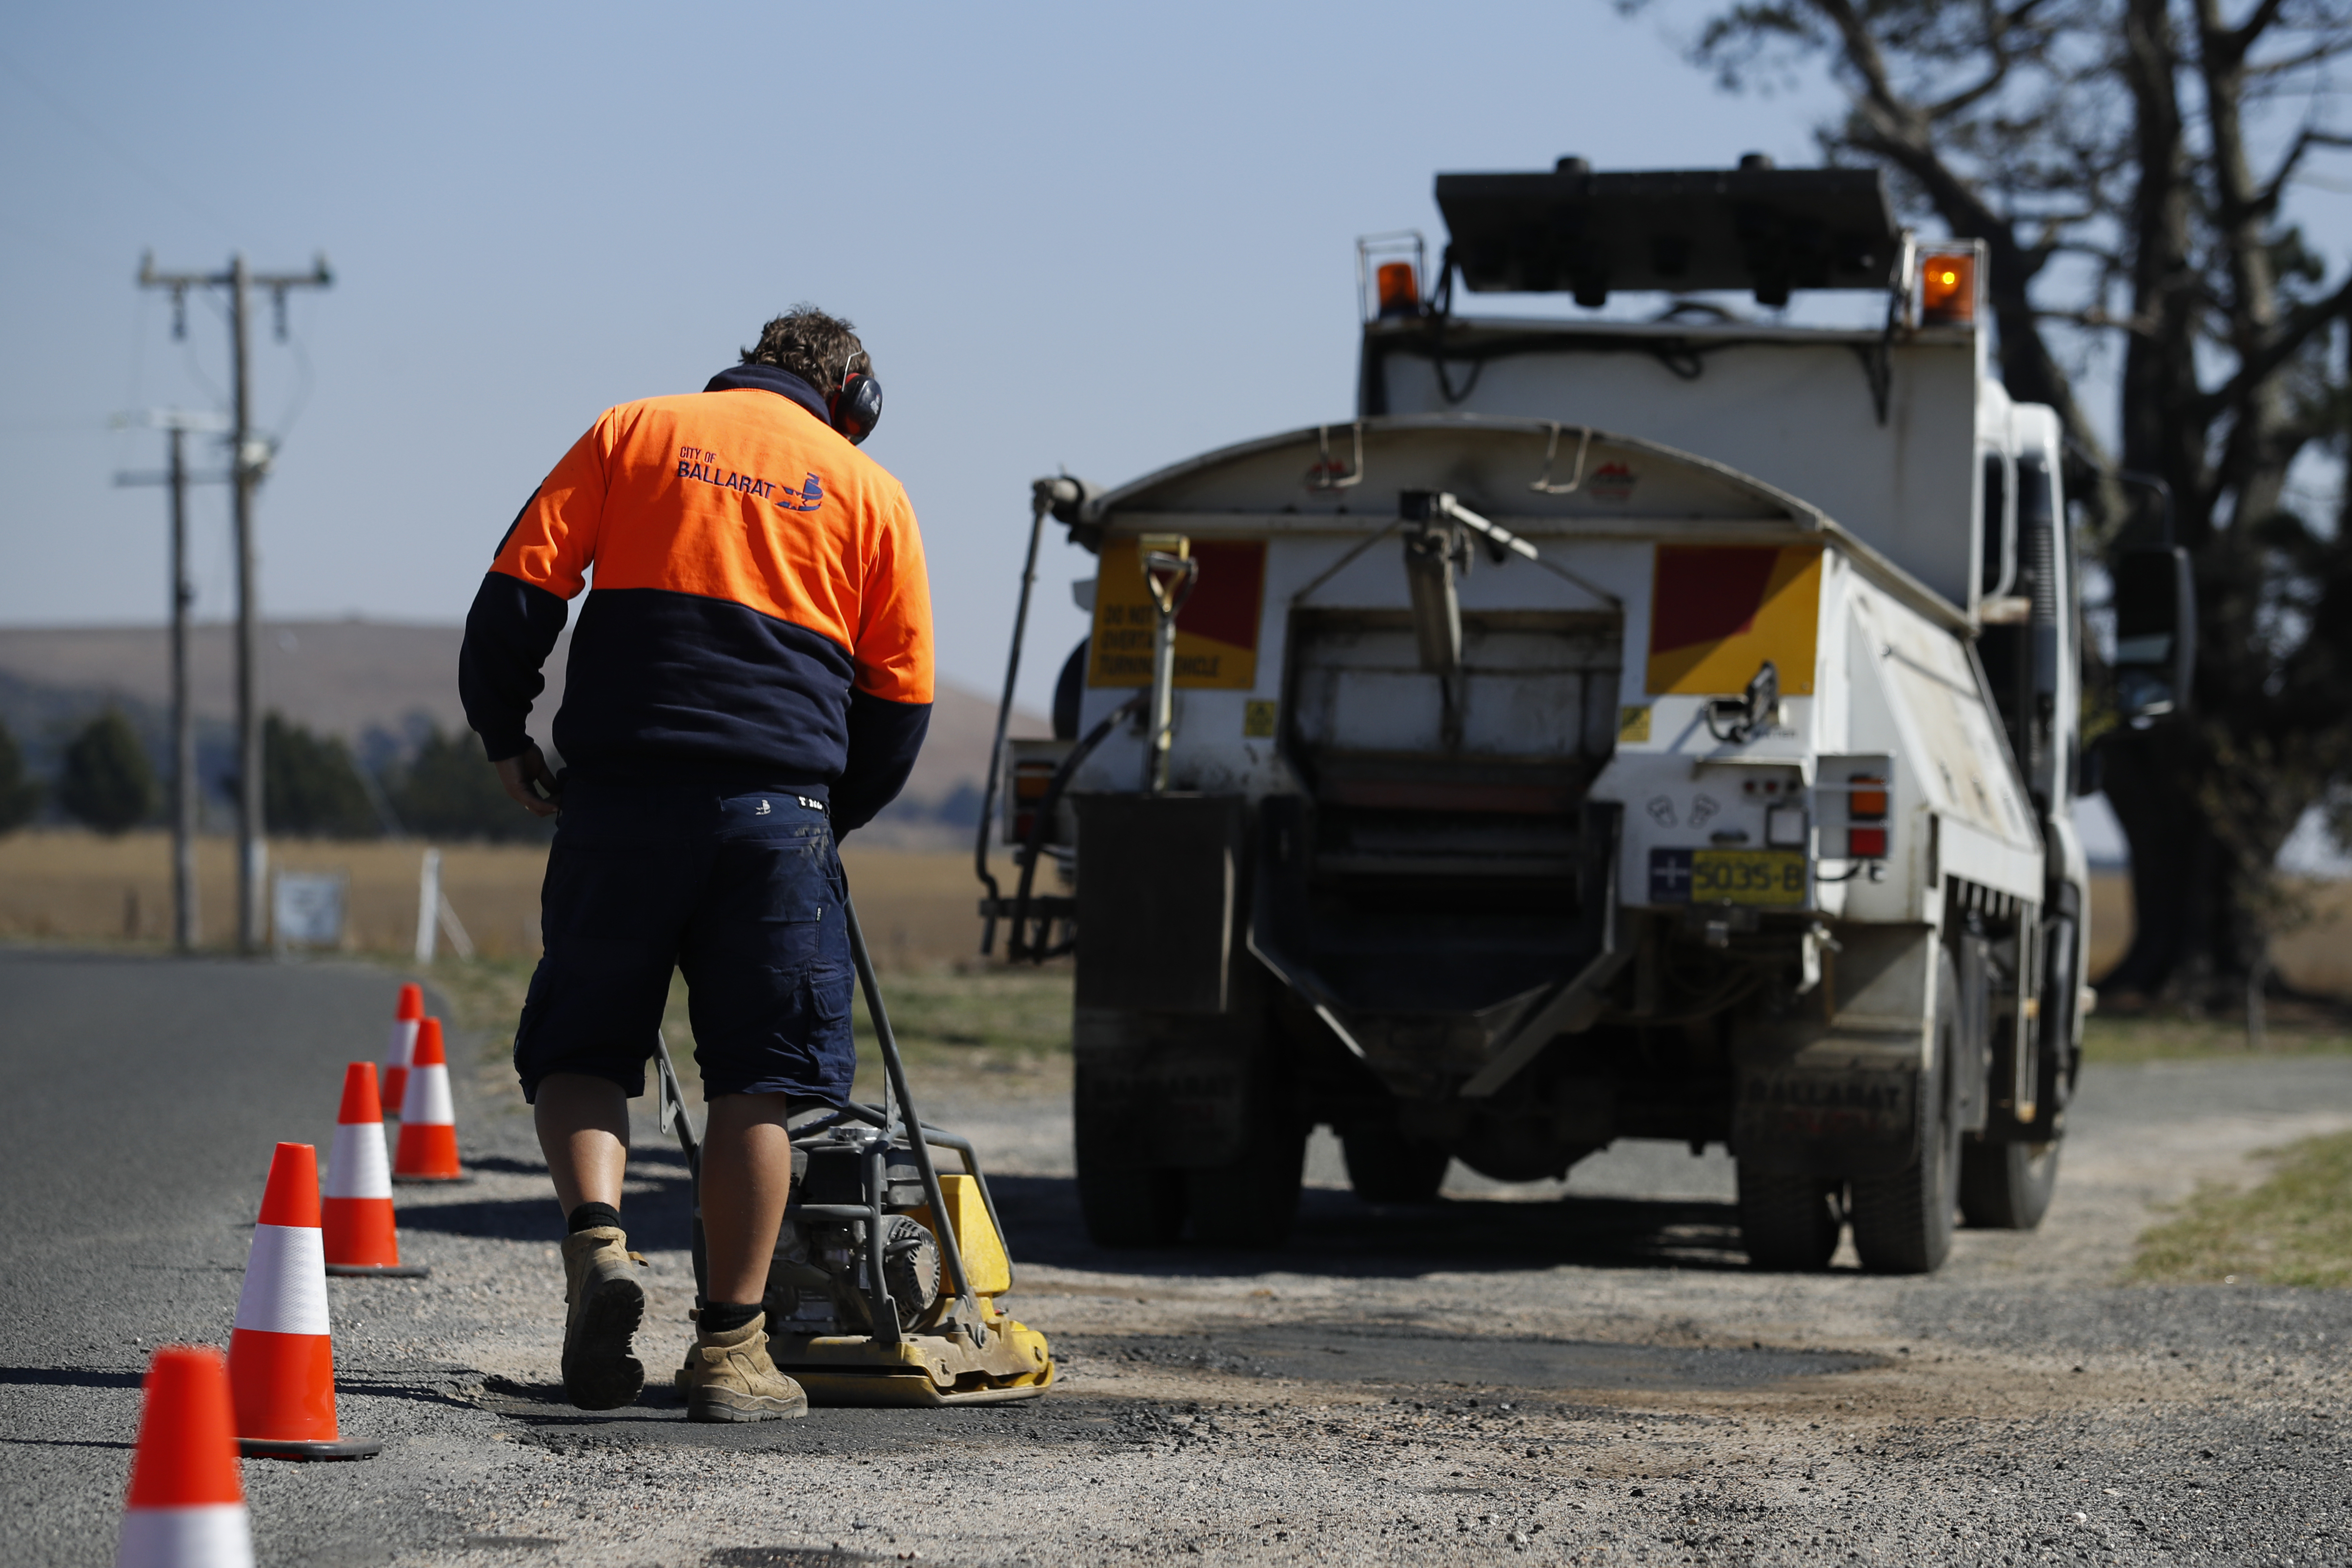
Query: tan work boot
729,1377
605,1305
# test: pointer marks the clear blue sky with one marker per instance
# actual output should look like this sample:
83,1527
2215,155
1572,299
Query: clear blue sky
1099,236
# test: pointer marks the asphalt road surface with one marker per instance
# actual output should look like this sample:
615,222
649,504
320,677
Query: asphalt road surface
1538,1375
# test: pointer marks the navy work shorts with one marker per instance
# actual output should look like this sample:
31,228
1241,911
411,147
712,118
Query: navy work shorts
742,892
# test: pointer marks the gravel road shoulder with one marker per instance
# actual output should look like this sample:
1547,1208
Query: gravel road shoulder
1530,1374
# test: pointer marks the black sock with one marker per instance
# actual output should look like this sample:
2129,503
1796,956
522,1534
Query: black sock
588,1217
726,1317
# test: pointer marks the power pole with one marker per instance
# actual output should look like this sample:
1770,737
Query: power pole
186,929
248,461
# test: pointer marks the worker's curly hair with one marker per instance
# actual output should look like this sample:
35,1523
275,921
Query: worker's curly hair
821,349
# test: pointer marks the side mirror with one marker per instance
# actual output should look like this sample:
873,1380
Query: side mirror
2156,632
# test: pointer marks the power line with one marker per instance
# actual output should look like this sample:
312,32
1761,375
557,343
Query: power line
73,117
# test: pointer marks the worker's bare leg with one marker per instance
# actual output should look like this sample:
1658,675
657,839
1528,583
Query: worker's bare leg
583,1131
747,1170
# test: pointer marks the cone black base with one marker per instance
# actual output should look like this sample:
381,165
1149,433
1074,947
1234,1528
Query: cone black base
400,1181
344,1448
381,1270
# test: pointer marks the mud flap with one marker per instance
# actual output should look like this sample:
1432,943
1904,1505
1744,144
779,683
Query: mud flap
1835,1092
1163,1091
1158,901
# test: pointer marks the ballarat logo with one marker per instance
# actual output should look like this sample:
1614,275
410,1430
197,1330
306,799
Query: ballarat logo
703,467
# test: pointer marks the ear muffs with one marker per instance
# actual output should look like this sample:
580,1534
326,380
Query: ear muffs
856,408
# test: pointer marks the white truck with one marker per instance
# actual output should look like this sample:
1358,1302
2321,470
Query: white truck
1660,730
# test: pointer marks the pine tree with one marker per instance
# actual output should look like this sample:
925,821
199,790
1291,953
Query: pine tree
450,790
106,781
311,786
20,796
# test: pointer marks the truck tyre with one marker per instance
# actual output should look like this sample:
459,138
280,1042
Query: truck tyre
1131,1209
1122,1205
1252,1200
1385,1166
2007,1187
1788,1223
1903,1223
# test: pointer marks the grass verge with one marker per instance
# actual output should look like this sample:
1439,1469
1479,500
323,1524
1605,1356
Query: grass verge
2293,1228
2114,1040
1000,1029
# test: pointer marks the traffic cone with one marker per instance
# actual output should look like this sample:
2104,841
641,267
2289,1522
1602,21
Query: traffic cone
187,1508
428,1127
400,1049
282,1361
357,1215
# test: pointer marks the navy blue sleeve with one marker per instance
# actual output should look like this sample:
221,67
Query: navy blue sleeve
884,739
510,632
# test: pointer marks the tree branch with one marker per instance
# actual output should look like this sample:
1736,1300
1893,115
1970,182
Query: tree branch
2303,324
2273,190
2238,40
2318,53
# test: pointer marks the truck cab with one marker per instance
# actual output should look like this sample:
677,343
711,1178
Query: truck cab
1614,729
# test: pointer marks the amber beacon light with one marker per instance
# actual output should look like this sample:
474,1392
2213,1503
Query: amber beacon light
1399,289
1947,289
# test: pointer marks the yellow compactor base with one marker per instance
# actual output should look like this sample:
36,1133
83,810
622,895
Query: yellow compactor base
922,1369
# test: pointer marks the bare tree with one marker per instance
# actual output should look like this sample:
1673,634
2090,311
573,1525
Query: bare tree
2129,164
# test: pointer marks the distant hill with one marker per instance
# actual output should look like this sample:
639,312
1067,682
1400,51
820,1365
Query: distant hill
376,683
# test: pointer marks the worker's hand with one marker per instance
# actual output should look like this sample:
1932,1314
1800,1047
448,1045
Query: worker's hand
520,773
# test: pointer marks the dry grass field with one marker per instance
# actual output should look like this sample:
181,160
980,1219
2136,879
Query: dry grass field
78,887
918,905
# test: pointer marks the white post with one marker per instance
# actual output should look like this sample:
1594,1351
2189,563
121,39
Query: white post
256,872
428,905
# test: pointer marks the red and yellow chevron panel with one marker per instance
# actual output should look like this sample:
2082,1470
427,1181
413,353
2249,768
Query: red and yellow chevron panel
1718,611
1216,631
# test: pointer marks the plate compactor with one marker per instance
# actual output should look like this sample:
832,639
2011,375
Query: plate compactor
870,1298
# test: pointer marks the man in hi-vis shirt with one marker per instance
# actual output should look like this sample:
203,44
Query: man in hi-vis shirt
750,679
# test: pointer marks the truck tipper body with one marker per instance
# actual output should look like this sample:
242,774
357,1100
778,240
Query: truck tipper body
1614,730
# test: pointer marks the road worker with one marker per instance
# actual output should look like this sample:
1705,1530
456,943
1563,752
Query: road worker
750,679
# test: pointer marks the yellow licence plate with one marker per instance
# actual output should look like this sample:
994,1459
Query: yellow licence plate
1749,876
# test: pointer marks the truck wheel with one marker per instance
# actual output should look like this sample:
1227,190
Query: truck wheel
2007,1187
1903,1223
1131,1209
1123,1204
1252,1200
1788,1223
1385,1166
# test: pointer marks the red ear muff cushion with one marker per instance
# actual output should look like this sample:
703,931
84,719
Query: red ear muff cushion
857,407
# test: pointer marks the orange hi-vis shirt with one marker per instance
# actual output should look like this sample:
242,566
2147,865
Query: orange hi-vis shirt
760,616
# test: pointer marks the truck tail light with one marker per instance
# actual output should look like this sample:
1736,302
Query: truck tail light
1030,778
1947,289
1866,811
1399,289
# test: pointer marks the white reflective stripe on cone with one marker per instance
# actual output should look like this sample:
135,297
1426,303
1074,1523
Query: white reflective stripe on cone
401,1049
427,1103
285,1281
357,1166
215,1535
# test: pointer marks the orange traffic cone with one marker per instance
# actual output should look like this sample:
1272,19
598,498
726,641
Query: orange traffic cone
401,1049
357,1215
281,1362
429,1126
187,1508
